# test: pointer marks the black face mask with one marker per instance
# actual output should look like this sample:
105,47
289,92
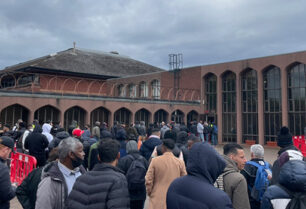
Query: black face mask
76,162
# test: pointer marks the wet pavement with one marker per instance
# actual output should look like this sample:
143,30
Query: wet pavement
270,156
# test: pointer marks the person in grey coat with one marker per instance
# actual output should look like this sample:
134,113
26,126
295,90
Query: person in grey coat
59,177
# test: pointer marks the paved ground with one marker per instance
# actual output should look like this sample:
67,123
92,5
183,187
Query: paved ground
270,156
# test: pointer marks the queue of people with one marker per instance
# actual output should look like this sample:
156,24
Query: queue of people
175,166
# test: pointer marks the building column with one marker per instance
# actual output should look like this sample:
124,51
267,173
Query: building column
284,96
87,118
132,119
111,119
30,117
62,118
238,109
219,108
260,108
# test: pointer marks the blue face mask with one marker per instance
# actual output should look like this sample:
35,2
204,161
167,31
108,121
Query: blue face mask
76,162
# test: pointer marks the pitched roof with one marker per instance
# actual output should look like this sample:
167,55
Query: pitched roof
87,62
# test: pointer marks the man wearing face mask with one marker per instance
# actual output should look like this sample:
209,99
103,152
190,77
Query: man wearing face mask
59,177
105,186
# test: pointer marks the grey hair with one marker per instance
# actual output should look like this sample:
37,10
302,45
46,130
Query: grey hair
257,150
67,145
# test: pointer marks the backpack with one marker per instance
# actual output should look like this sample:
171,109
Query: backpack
298,199
219,183
261,181
136,173
215,129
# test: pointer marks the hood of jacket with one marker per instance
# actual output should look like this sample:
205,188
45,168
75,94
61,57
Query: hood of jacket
46,128
205,162
230,164
152,142
62,135
293,175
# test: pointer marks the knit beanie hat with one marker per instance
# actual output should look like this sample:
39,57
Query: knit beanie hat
289,155
284,138
131,146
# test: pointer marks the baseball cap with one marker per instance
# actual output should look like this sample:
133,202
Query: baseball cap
7,141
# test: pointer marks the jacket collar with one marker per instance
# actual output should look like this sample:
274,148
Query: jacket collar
105,166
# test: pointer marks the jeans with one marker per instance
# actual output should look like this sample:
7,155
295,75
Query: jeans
214,140
202,137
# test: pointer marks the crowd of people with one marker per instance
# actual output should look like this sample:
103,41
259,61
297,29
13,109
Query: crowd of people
174,165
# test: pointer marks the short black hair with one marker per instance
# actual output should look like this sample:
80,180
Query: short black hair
108,150
194,138
170,134
169,143
231,148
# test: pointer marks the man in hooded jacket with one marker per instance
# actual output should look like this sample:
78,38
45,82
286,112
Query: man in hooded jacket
196,190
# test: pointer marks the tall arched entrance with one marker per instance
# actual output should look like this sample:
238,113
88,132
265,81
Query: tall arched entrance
11,114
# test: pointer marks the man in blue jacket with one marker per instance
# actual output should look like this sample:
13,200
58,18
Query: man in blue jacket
196,190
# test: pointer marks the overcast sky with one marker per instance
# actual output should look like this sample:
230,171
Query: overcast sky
204,31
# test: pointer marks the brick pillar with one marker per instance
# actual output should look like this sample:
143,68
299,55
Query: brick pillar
284,95
87,118
30,117
238,109
111,119
260,109
219,108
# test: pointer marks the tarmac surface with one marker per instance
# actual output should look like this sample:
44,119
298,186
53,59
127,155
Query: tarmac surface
270,156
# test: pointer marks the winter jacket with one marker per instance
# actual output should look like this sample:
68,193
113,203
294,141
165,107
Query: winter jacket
292,176
163,131
57,139
52,190
36,143
196,190
103,187
276,167
194,129
7,191
148,146
87,142
124,164
26,191
200,128
249,172
96,132
46,131
235,185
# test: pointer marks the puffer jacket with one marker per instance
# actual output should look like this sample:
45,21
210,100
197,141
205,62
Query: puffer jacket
196,190
103,187
276,167
292,176
52,190
124,164
235,185
7,191
57,139
148,146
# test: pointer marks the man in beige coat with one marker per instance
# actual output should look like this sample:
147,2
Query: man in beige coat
235,184
162,171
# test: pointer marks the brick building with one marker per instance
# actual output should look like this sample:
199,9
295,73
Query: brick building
248,99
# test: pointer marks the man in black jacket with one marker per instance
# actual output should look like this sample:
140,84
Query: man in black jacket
249,172
103,187
137,195
7,191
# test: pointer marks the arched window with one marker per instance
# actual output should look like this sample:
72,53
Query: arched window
11,114
272,103
143,115
46,113
229,107
161,116
249,105
122,116
297,99
143,89
100,114
155,89
74,114
177,116
121,91
210,98
132,90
